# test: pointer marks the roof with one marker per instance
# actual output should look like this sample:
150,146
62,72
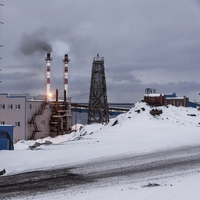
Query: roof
153,95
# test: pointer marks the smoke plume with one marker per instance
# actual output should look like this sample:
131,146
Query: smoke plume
34,43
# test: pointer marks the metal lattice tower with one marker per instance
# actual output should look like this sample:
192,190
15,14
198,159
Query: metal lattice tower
98,106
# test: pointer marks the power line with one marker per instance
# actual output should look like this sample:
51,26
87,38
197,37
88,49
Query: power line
1,44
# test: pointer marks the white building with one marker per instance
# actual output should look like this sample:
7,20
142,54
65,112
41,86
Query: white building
19,110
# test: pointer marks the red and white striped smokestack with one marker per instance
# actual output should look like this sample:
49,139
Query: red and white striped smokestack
48,61
66,61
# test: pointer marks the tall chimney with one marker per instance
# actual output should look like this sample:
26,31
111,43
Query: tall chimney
66,61
48,61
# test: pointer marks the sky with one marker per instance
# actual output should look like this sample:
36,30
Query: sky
145,44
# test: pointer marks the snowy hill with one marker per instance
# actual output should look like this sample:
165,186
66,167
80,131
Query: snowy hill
135,132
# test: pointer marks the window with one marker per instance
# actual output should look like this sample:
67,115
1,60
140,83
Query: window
2,106
17,124
42,122
10,106
2,122
30,107
179,103
17,106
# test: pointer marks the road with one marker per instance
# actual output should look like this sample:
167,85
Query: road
127,168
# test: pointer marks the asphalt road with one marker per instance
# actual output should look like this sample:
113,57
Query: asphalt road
105,171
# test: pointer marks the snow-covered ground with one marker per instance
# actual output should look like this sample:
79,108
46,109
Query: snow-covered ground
136,132
184,188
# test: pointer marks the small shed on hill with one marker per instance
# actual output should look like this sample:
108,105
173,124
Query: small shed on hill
156,99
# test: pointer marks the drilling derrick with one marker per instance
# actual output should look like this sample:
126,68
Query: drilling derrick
98,111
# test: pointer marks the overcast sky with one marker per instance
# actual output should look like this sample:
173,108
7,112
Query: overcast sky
145,44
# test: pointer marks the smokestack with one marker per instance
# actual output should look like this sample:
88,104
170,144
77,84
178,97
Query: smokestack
66,60
48,61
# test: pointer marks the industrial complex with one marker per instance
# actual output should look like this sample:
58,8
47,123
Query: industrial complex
48,115
38,117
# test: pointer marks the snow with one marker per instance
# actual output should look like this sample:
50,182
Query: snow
153,95
178,189
136,131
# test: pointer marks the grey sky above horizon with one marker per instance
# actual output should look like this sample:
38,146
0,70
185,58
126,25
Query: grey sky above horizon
145,44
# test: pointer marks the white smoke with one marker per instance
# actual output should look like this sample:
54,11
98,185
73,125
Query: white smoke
60,48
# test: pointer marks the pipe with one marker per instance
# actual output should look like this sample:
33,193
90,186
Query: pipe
65,96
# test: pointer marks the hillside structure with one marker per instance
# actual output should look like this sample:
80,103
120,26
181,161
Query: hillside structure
156,99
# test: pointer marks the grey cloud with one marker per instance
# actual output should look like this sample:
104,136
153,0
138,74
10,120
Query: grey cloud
145,44
135,91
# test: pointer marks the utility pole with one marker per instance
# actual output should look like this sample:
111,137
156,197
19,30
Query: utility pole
1,44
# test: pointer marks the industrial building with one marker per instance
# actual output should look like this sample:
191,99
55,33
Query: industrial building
38,117
156,99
